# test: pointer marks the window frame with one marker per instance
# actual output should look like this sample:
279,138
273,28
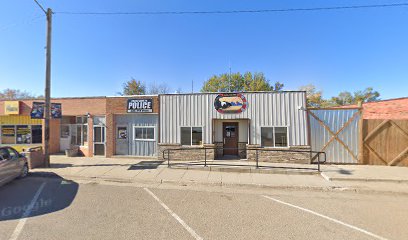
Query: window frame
191,135
30,127
273,136
144,139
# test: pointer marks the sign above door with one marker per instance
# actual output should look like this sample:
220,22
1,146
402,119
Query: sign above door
230,103
140,105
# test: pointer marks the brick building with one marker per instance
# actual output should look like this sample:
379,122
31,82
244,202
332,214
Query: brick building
91,123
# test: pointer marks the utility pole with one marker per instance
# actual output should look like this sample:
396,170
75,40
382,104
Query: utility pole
47,109
47,90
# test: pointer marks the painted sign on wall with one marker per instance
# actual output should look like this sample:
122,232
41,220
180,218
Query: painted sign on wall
139,105
11,107
230,103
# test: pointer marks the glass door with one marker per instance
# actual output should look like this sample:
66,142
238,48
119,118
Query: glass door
99,136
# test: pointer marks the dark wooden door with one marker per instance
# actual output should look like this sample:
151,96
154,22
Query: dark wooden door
230,138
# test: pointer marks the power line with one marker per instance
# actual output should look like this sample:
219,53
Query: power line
40,6
237,11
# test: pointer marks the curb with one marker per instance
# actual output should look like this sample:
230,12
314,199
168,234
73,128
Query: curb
247,170
219,184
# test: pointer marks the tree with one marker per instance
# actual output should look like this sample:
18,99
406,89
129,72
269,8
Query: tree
346,98
160,88
314,97
133,87
236,82
13,94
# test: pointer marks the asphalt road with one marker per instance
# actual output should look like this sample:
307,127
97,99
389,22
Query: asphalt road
69,210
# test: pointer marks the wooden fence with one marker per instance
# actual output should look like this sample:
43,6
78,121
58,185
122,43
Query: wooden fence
385,142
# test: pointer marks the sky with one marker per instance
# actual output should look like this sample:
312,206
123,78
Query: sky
336,50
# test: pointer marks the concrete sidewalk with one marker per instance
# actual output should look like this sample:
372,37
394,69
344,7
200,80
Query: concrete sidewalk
241,173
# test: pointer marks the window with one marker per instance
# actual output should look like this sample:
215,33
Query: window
78,131
144,133
4,154
191,135
274,136
36,134
21,134
13,153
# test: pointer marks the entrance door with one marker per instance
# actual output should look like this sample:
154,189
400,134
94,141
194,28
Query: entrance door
122,140
230,138
99,140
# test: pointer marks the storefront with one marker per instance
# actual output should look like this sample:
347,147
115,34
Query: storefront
135,125
234,123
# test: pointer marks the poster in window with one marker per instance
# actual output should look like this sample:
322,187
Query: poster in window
8,131
122,133
23,134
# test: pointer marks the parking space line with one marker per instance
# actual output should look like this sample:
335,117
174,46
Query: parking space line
26,213
328,218
173,214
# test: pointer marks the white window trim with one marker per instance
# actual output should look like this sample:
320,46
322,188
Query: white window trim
191,135
142,139
274,142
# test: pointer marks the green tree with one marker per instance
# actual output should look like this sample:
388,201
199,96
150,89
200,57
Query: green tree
13,94
236,82
133,87
314,97
346,98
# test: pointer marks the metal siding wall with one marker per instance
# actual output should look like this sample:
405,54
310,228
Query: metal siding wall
264,109
139,148
335,119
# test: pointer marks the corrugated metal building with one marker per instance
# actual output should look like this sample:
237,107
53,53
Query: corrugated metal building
234,120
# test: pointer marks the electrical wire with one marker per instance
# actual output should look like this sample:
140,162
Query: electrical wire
238,11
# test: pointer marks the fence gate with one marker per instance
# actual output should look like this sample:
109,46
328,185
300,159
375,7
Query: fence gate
336,132
385,142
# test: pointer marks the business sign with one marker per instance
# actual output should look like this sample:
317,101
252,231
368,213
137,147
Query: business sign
11,107
140,105
37,111
230,103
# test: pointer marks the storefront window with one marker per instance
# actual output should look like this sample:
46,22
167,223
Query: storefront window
144,133
196,136
274,136
281,134
185,136
79,131
8,134
267,137
36,134
191,135
21,134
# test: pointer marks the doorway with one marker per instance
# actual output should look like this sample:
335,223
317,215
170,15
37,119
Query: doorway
99,140
230,136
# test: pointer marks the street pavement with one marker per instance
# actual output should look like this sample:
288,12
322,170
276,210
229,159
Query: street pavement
97,209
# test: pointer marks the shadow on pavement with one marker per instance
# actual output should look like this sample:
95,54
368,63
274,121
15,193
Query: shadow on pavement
16,196
146,165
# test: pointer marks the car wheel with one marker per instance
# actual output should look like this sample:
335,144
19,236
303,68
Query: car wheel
24,171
